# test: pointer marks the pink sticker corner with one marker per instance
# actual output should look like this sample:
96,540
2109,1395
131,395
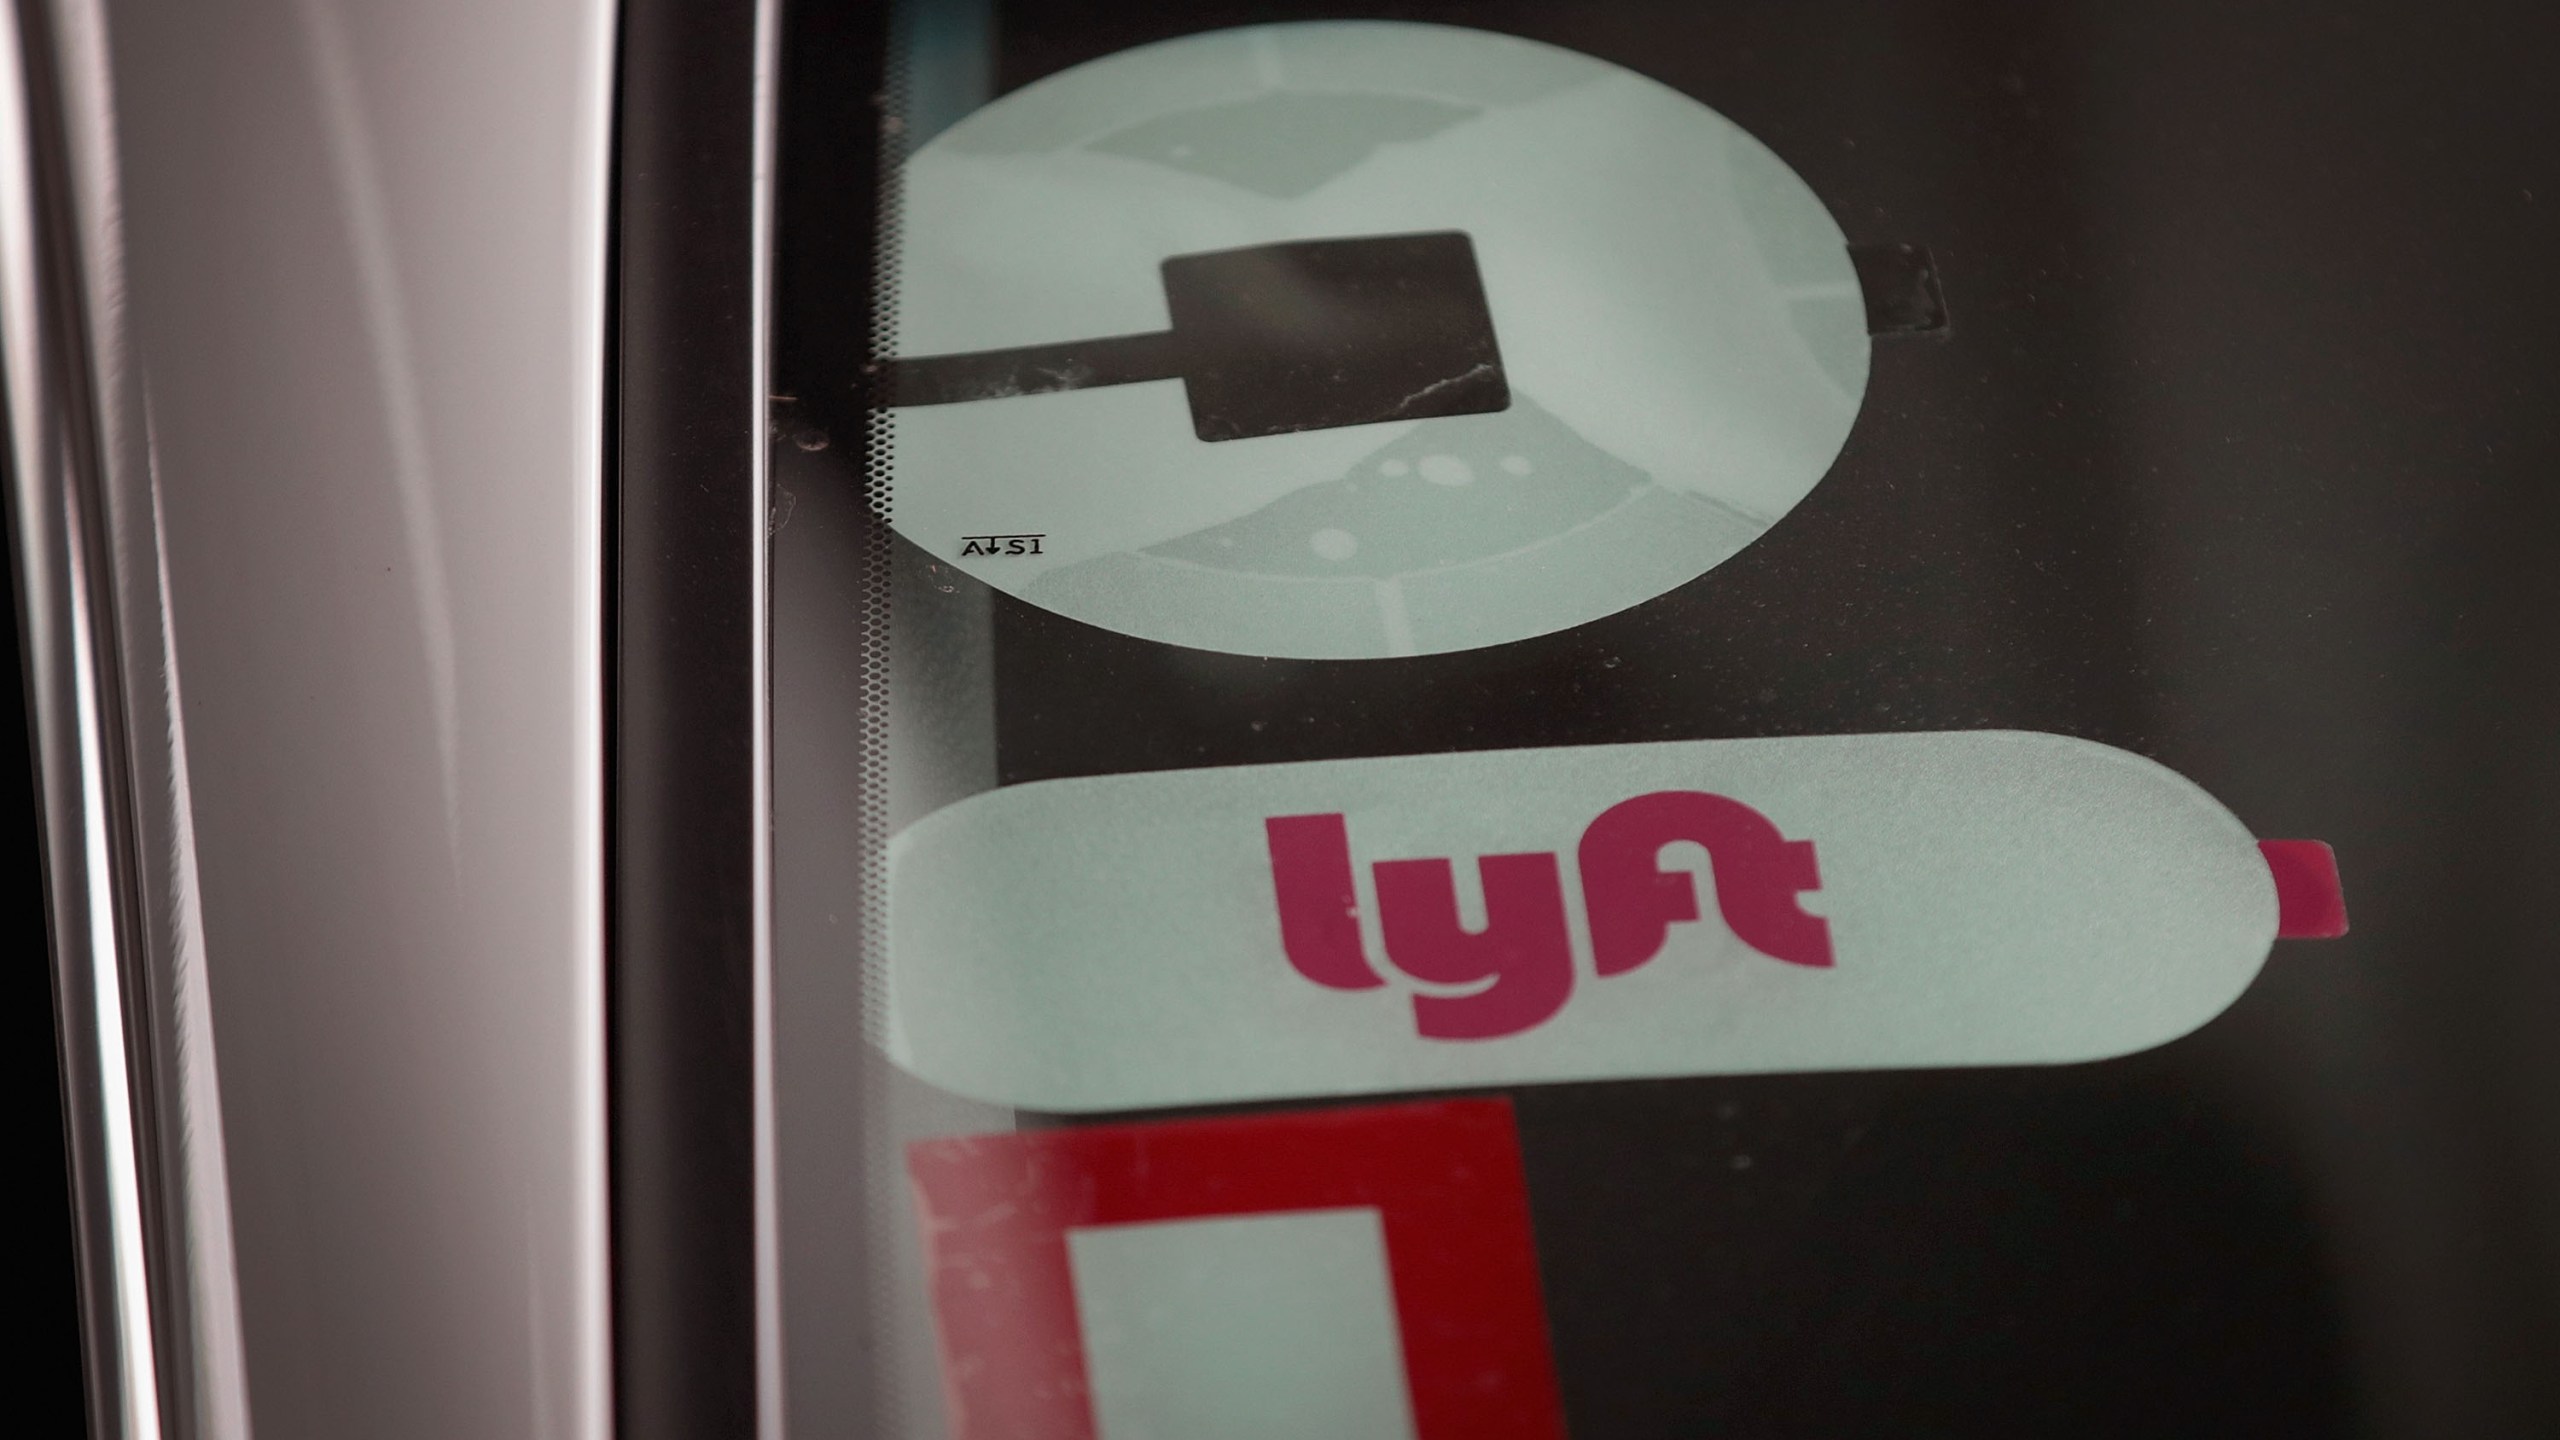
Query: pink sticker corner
2311,904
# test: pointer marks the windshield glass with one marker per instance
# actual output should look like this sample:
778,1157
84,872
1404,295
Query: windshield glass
1505,719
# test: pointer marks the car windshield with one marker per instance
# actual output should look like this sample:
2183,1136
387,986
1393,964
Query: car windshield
1499,719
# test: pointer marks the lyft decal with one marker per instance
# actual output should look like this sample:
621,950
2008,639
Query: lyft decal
1521,959
1511,917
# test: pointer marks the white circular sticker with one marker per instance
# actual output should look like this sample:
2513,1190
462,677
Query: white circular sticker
1357,339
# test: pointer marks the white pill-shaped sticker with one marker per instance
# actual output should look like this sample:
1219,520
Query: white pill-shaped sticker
1712,907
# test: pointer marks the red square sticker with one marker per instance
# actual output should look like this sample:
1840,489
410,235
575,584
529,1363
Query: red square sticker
1444,1181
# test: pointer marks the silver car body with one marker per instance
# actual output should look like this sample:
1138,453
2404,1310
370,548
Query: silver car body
307,376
